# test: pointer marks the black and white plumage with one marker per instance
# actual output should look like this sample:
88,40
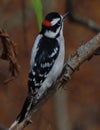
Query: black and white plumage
46,62
47,52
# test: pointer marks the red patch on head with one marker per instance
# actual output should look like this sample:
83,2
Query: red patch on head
46,23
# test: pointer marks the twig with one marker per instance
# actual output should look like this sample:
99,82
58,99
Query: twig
83,53
76,18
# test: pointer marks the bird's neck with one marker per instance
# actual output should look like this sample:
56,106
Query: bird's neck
52,34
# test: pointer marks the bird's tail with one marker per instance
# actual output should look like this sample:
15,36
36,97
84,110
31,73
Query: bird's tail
26,109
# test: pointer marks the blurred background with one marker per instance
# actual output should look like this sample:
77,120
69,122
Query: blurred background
77,107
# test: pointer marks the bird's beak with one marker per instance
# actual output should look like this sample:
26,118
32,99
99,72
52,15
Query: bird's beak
65,15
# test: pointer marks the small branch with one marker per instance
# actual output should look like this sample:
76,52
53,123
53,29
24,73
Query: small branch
76,18
83,53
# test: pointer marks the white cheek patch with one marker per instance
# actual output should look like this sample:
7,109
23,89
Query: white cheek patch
52,34
55,21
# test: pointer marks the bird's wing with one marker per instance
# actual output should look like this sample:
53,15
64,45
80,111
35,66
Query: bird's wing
48,50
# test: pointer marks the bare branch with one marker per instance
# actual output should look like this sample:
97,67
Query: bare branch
76,18
83,53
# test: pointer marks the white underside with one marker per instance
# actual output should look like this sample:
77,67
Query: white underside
34,50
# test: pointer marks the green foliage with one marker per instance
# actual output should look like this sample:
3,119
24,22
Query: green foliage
37,5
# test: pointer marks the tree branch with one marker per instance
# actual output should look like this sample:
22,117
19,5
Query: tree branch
76,18
83,53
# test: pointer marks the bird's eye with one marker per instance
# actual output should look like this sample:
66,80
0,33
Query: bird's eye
59,23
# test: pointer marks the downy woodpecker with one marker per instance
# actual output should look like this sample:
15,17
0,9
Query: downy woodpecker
46,63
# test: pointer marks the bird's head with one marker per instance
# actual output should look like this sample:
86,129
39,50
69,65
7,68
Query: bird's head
52,25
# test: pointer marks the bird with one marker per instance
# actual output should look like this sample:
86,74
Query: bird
46,62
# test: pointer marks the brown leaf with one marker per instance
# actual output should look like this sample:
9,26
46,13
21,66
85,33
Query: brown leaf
9,53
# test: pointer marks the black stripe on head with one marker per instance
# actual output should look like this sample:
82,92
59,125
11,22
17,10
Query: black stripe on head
52,16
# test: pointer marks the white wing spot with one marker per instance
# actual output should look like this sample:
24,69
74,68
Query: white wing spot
33,72
29,79
54,52
34,81
41,75
35,64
